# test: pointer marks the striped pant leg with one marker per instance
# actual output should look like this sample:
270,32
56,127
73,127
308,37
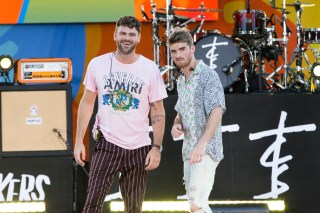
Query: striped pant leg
105,164
133,179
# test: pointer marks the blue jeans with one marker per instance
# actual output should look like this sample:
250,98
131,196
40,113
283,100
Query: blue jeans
198,179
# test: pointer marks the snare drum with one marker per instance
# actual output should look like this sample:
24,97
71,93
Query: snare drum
219,51
249,24
311,35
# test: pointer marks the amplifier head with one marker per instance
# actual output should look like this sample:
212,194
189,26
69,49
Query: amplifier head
44,70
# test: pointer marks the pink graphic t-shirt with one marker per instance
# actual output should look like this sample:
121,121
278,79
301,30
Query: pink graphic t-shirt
125,92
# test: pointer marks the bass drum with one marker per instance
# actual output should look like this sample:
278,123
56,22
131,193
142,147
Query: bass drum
227,56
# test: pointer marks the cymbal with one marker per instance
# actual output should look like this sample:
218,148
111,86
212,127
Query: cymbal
176,18
301,4
200,9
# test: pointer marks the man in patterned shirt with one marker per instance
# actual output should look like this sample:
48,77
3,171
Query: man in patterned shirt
200,107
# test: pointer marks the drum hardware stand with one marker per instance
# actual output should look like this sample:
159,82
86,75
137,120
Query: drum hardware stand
169,12
316,53
248,6
275,81
297,55
155,34
167,69
272,36
192,20
247,85
170,68
257,56
299,52
197,29
284,41
261,67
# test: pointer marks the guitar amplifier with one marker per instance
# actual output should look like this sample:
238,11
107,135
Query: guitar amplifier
44,70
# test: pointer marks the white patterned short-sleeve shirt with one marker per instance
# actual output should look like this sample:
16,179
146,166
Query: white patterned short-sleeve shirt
196,99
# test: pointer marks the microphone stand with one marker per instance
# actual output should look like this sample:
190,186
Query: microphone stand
68,147
75,166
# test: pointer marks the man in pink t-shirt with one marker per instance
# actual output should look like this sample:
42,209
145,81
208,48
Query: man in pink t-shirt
129,87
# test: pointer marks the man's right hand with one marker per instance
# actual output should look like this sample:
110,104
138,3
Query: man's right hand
80,153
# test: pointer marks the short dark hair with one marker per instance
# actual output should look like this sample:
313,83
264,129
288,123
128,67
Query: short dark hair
180,35
129,21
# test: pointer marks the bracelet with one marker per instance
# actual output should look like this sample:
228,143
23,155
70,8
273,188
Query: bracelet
159,147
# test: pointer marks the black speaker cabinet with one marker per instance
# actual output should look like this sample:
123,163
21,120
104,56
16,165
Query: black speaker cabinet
36,120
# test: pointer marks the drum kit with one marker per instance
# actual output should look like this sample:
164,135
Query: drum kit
241,56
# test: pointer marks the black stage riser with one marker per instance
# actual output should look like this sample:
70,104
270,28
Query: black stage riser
241,176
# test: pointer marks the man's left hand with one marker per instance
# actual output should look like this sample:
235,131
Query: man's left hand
197,153
153,159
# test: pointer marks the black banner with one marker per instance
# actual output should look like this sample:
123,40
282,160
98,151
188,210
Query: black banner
271,148
40,179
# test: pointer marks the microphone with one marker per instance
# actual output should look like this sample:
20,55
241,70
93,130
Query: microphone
227,68
193,68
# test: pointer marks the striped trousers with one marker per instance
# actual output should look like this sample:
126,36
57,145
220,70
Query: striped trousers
107,161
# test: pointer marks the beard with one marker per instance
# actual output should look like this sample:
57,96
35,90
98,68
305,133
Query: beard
126,51
183,64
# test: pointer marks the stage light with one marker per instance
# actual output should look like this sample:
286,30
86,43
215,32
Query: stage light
273,205
22,207
315,70
151,206
6,63
180,206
